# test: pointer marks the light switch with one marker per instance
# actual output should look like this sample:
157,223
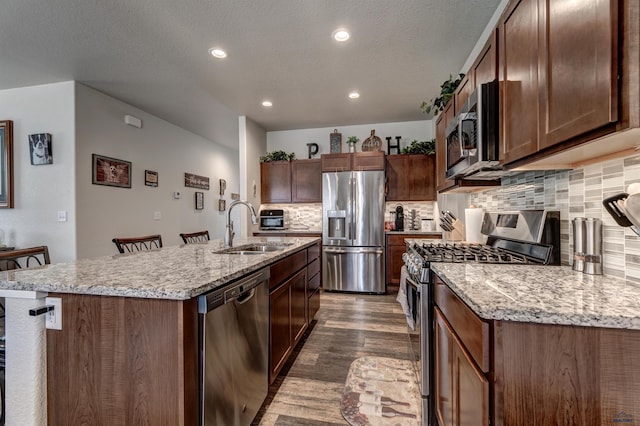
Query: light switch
157,215
62,216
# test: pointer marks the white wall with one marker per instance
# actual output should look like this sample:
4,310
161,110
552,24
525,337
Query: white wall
296,140
41,191
106,212
253,144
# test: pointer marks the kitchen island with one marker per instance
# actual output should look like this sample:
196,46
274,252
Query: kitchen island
535,345
128,349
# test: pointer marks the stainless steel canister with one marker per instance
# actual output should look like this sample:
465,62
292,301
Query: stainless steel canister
578,243
593,246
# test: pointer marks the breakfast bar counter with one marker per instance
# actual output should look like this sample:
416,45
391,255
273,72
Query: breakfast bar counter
176,272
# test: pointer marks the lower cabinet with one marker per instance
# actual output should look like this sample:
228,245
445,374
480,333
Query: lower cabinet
394,250
294,299
462,390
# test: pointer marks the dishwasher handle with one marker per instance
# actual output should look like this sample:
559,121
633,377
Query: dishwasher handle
241,291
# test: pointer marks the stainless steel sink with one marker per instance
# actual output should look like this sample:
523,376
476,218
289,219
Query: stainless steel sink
255,249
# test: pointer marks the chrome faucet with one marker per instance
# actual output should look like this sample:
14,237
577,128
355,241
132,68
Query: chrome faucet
228,235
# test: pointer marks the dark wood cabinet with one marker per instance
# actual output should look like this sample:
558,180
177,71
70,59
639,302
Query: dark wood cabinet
442,122
411,177
519,79
306,181
314,277
359,161
578,69
280,339
485,67
275,182
464,89
299,305
462,390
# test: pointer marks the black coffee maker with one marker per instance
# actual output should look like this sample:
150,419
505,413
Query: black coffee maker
399,218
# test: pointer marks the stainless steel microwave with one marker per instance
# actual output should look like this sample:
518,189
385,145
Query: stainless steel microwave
472,138
272,219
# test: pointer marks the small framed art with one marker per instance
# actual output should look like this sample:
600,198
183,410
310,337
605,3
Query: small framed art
151,178
199,200
111,171
40,149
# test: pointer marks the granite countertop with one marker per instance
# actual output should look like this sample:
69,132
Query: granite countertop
176,272
544,294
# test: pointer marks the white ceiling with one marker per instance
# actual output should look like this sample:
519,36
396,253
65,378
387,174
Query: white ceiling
153,54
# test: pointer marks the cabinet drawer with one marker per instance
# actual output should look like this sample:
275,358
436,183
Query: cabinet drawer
314,304
285,268
470,329
314,267
313,252
314,283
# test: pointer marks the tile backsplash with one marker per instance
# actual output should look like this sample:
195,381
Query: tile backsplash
576,193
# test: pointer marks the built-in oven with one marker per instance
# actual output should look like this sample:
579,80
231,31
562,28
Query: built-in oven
473,136
272,220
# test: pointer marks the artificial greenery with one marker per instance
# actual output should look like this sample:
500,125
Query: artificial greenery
422,147
277,156
352,140
437,103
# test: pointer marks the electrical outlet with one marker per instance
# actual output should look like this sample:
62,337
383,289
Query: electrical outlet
54,317
157,215
62,216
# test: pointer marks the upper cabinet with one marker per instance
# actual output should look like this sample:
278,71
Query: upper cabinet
442,122
519,79
275,177
410,177
357,161
578,69
558,72
296,181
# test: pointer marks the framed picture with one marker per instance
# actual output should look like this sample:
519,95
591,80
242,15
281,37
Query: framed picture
40,149
6,164
335,142
195,181
111,171
199,200
151,178
222,205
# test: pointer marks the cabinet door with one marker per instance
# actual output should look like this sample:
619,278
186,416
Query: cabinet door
299,302
519,79
397,177
485,68
280,342
362,161
336,162
306,181
394,263
275,177
462,390
443,344
441,147
422,180
578,63
464,89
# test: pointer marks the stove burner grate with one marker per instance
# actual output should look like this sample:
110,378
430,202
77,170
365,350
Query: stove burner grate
464,252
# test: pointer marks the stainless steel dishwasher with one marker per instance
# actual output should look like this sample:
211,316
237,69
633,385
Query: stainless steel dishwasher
234,351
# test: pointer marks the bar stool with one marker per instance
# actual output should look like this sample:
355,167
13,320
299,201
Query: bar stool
134,244
195,237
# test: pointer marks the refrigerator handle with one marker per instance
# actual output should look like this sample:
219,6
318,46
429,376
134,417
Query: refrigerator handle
352,226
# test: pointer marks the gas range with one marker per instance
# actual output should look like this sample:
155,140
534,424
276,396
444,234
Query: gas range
507,243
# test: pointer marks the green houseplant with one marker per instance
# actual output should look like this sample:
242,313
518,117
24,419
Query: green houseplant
420,147
352,143
277,156
437,103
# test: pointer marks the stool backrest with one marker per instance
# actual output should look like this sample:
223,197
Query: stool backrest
134,244
24,258
195,237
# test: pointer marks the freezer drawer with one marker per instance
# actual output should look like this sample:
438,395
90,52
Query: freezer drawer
353,269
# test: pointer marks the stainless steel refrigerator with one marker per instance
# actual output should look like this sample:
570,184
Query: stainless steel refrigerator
353,231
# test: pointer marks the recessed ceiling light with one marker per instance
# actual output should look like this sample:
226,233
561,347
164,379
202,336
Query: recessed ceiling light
354,95
218,53
266,103
340,35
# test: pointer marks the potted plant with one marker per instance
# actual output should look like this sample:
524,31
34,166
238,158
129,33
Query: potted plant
277,156
352,143
420,147
437,103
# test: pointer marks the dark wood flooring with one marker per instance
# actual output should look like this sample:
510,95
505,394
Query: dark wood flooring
348,326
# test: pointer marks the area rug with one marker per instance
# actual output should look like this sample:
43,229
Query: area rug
381,392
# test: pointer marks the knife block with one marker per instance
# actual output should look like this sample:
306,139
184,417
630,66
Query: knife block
458,233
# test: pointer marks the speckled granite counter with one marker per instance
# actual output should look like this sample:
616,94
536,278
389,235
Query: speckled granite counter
544,294
177,272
